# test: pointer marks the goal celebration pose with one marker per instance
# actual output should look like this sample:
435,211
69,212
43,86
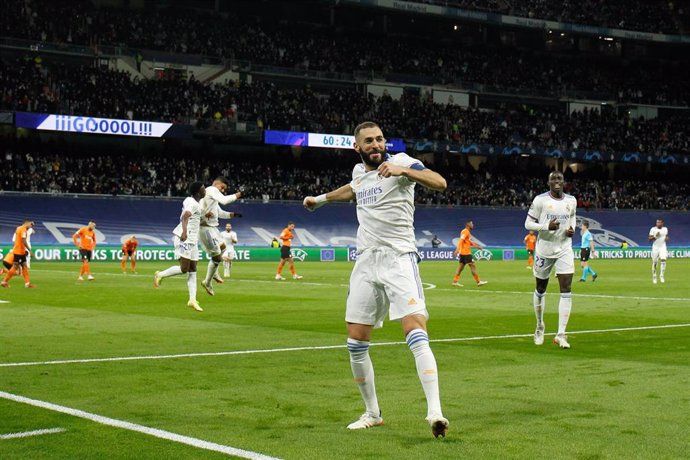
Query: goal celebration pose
385,278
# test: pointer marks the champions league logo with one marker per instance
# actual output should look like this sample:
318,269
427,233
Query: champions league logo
604,237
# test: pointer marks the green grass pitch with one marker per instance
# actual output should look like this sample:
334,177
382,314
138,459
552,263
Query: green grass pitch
621,391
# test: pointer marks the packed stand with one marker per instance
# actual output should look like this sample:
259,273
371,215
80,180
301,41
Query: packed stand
312,49
510,190
91,91
656,16
52,169
43,169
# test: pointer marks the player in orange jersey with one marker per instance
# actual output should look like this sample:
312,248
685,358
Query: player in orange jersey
129,248
20,250
7,263
530,243
286,237
464,250
85,240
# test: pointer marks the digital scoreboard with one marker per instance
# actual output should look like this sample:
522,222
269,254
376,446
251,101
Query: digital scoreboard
329,141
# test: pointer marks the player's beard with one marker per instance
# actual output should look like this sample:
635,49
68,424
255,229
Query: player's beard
367,160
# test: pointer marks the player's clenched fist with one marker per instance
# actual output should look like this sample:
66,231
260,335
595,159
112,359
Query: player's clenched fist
309,203
387,170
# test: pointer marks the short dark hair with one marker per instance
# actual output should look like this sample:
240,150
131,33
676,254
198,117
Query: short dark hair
365,125
291,223
223,180
194,187
468,221
585,223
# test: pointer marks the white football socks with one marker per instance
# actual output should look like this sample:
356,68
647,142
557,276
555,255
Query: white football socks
363,373
211,270
539,301
662,272
171,271
226,268
418,341
191,285
564,306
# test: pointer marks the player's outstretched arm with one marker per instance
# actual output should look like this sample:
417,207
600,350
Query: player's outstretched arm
343,193
216,194
223,214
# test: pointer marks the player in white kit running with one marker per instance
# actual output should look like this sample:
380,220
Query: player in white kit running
209,236
552,215
385,278
229,237
185,240
659,235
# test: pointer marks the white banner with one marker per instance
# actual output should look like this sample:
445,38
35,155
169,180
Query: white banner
78,124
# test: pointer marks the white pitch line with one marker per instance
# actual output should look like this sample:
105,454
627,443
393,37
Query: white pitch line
27,434
155,432
324,347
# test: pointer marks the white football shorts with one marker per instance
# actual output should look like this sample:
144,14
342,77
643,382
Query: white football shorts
229,253
564,264
185,249
659,254
382,282
210,240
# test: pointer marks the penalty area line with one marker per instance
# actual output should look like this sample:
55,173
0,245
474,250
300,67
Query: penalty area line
155,432
27,434
323,347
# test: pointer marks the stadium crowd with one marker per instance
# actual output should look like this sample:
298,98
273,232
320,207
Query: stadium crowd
657,16
36,82
61,88
283,45
43,169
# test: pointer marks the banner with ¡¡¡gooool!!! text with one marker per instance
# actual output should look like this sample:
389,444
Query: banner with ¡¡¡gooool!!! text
94,125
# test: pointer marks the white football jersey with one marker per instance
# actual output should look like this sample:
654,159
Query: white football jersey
385,207
211,203
545,208
194,207
659,235
230,239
